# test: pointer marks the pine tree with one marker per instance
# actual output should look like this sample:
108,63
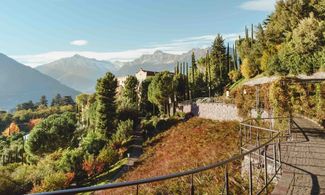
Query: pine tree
43,101
106,108
57,100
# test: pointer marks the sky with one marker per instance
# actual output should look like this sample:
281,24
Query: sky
41,31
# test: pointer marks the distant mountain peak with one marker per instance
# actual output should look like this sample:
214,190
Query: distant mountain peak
158,52
77,56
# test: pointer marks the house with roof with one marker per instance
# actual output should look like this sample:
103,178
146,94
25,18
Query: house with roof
142,74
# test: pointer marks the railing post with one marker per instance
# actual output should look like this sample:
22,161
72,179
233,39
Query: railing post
265,169
279,148
245,134
274,153
226,180
250,175
250,133
259,150
192,185
137,190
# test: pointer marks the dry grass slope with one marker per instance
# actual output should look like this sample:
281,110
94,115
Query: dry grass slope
187,145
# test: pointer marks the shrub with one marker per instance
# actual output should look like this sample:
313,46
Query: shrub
108,155
123,132
52,182
248,69
92,166
93,142
234,75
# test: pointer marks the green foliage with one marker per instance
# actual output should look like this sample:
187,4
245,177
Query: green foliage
15,179
108,155
93,142
160,90
58,100
248,69
52,182
52,133
106,108
146,107
234,75
5,120
130,89
122,133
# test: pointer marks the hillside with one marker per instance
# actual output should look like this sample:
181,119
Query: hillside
194,143
20,83
158,61
78,72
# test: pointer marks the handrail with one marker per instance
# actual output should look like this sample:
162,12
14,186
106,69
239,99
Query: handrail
170,176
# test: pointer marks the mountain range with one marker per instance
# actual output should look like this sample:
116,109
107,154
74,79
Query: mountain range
158,61
78,72
20,83
70,76
81,73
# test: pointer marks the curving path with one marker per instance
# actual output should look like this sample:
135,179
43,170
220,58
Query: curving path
303,160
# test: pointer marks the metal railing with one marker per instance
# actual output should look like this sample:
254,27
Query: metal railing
248,148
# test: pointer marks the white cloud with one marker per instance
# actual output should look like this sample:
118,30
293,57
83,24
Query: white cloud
259,5
79,42
178,46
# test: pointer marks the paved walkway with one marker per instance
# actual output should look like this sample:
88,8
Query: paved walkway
303,161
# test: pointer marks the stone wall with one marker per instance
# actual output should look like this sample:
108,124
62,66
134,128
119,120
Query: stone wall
215,111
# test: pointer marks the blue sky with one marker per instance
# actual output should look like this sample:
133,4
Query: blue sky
40,31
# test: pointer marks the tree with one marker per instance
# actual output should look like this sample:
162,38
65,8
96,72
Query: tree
161,90
218,64
130,89
106,107
248,69
26,106
146,107
67,100
194,67
56,101
43,101
52,133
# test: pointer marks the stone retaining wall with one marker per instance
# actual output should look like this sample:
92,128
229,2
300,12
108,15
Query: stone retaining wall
215,111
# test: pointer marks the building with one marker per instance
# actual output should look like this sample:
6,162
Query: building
121,81
142,74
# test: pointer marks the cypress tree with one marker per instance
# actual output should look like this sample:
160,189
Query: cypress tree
106,108
177,68
227,54
184,69
194,67
246,33
252,33
187,82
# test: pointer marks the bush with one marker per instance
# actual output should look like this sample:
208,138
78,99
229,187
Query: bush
52,182
234,75
108,155
248,69
123,132
15,179
93,142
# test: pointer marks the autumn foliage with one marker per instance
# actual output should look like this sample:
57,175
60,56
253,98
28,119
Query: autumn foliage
12,129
